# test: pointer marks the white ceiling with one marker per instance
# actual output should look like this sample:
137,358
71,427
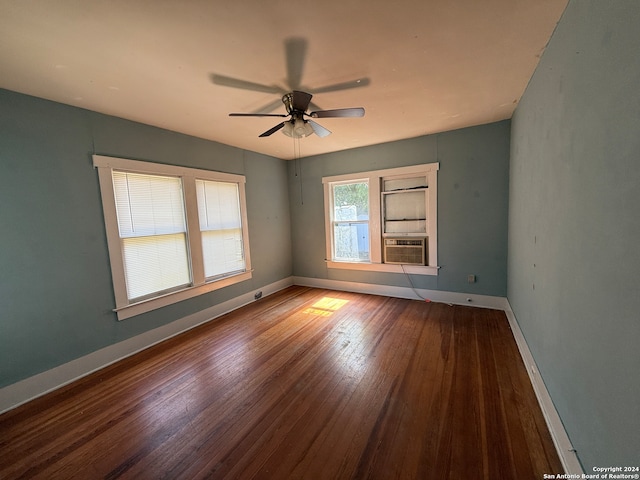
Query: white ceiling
432,65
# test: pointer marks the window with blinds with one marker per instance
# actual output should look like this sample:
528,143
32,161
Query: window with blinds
152,227
173,232
220,227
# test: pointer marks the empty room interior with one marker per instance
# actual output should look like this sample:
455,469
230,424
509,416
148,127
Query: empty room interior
338,239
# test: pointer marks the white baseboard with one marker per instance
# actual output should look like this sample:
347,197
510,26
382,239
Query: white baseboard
559,435
45,382
33,387
454,298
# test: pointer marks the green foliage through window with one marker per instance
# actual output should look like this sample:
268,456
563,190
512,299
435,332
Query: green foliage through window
352,194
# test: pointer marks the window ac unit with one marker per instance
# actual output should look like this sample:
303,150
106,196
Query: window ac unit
406,251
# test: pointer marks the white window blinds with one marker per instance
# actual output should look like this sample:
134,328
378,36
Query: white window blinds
220,227
152,227
173,232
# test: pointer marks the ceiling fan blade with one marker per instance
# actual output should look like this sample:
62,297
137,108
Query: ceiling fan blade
301,100
315,107
295,50
339,113
269,107
244,85
361,82
258,115
272,130
318,129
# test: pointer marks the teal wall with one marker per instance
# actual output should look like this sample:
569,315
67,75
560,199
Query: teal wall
563,177
56,297
574,226
473,188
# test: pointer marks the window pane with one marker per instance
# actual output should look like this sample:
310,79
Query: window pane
404,183
218,205
405,206
221,227
151,223
155,264
351,221
405,212
351,201
222,250
148,204
351,241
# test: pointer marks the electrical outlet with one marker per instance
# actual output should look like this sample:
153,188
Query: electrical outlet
471,278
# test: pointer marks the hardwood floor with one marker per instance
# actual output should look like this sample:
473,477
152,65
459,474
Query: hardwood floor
303,384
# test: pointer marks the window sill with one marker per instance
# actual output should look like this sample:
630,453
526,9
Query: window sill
384,267
144,306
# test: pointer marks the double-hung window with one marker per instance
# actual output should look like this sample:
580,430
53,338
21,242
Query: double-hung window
220,228
172,232
350,220
383,220
153,233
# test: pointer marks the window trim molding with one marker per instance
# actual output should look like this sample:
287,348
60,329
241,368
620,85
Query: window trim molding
126,309
374,178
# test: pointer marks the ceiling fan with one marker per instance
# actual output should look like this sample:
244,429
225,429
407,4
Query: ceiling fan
296,101
297,126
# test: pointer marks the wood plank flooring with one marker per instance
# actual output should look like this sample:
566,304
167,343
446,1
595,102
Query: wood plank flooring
303,384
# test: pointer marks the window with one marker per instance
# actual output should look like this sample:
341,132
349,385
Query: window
383,220
153,233
220,228
173,232
350,222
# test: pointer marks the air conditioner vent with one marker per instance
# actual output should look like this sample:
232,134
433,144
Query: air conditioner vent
405,251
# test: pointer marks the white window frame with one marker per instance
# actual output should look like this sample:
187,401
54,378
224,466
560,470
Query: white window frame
332,220
374,178
200,285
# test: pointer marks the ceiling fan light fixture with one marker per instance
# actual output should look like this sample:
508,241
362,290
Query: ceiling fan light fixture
297,129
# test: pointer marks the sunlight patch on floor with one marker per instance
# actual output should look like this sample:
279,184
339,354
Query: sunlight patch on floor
326,306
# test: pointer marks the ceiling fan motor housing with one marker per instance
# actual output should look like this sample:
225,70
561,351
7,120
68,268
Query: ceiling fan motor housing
287,99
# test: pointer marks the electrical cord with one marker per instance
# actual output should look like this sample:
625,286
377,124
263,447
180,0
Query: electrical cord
412,285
